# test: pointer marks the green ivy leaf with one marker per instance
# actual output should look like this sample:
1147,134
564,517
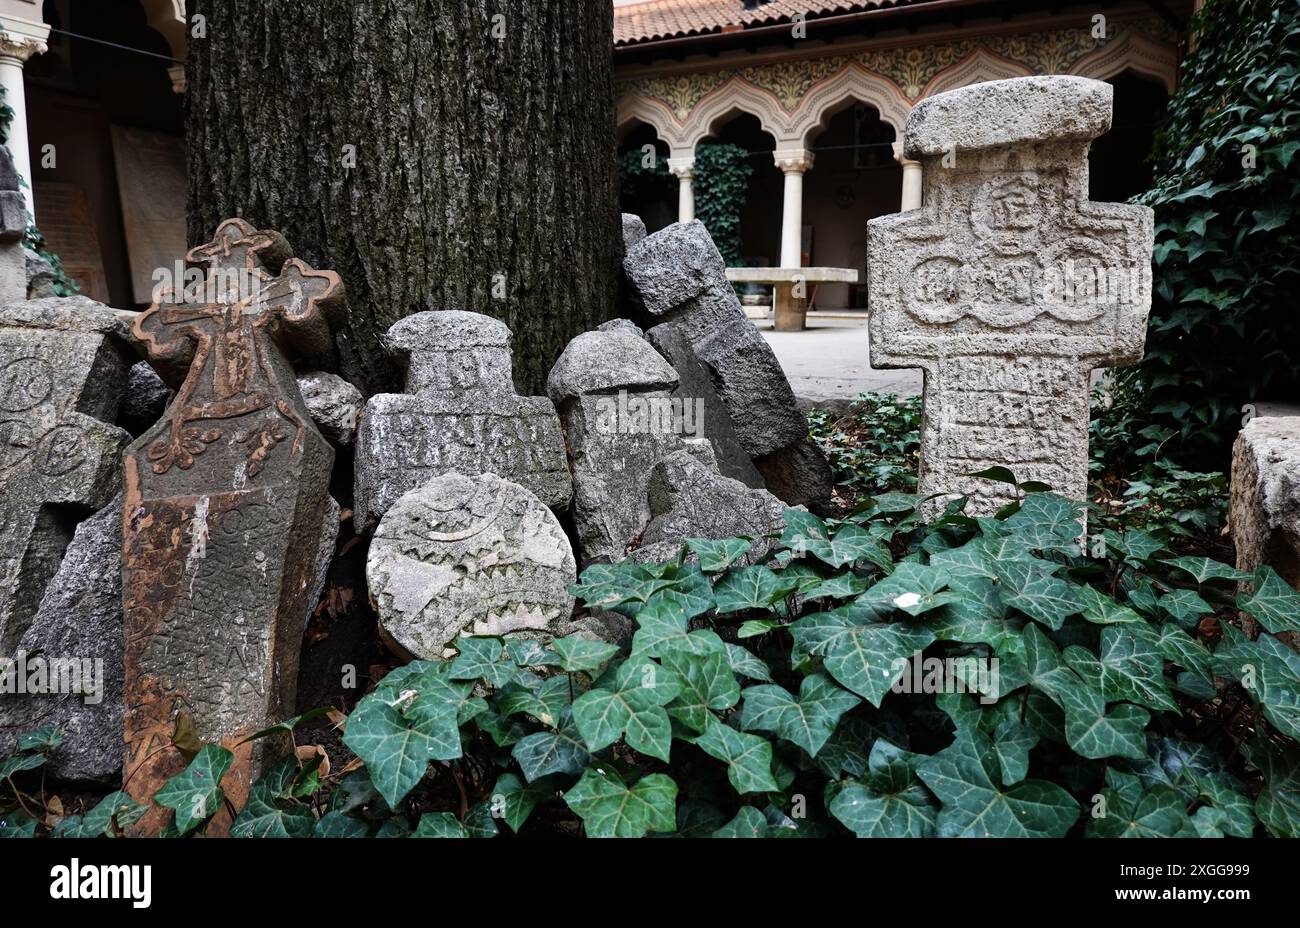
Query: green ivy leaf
610,809
115,808
397,746
1157,812
707,683
267,816
965,776
1274,604
482,658
1029,587
1047,522
864,656
18,763
1129,667
748,757
1203,569
559,750
515,800
1012,743
632,709
580,655
807,721
753,587
1088,729
42,739
717,556
439,825
749,822
334,824
745,664
195,794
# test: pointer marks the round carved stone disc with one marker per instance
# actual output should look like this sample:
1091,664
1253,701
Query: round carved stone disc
479,555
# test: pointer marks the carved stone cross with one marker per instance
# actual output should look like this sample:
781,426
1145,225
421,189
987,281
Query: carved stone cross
227,513
460,415
1008,286
63,366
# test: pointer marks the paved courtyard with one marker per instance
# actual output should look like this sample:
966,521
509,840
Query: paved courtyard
829,360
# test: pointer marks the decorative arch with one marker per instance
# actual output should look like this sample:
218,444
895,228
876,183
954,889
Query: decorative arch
1132,51
654,113
852,84
736,95
979,66
167,17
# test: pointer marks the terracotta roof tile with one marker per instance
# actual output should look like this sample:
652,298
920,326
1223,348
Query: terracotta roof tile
662,19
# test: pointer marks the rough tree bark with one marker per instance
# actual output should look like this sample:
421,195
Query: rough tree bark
484,177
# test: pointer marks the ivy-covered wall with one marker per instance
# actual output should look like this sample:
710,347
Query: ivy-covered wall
1224,325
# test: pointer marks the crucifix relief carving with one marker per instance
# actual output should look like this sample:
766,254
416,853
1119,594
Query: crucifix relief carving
227,507
1008,286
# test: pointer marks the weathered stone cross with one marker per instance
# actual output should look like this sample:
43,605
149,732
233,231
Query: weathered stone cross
225,520
1008,286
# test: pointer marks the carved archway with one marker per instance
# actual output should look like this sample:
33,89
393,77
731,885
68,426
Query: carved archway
654,113
979,66
735,96
167,17
853,84
1132,51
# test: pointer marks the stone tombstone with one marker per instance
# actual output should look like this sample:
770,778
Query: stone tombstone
226,505
460,414
1008,286
613,392
63,365
13,229
679,275
478,555
1265,513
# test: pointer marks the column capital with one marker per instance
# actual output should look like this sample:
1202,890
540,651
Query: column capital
22,38
900,157
793,160
682,168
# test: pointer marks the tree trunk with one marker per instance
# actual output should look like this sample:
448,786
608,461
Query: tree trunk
438,154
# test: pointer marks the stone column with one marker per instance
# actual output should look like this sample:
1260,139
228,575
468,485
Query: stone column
22,38
792,162
684,170
911,198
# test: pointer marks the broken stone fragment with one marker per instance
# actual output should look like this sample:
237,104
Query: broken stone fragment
40,276
679,275
688,499
633,230
334,405
145,399
475,555
1265,514
621,325
78,628
608,361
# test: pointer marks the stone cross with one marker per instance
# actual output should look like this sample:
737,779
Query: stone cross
1008,286
13,229
460,414
227,510
63,366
